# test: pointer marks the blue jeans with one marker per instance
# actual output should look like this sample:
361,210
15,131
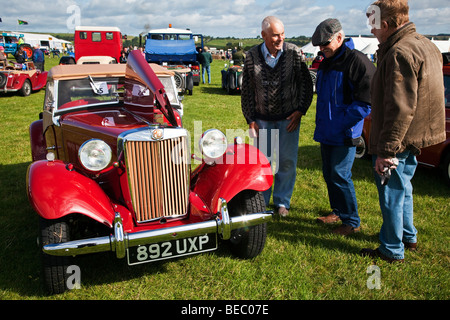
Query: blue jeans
396,203
280,147
337,163
207,70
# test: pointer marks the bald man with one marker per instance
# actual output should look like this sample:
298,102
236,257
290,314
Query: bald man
276,92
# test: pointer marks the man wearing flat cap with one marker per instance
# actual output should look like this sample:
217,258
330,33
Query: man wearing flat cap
343,101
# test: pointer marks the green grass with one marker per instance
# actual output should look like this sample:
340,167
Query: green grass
301,260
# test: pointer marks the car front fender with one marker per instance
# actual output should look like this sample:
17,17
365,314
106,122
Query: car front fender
243,167
40,81
55,190
37,141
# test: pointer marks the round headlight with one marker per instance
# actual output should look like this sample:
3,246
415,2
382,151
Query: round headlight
213,143
95,155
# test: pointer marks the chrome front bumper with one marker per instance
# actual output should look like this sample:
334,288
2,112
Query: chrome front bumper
6,90
120,241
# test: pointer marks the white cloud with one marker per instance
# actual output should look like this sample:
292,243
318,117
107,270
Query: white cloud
238,18
431,20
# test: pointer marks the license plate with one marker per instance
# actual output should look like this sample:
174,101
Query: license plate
171,249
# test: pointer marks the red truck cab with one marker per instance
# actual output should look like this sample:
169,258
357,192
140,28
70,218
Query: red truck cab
98,41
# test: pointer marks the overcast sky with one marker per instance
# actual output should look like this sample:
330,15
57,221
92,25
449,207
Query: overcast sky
235,18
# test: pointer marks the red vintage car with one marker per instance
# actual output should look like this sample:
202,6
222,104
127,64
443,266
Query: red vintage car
24,78
111,171
437,156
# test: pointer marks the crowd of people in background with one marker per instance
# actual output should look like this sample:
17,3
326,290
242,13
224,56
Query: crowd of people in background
126,51
21,58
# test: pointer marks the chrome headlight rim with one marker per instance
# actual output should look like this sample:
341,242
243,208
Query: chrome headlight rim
95,155
213,144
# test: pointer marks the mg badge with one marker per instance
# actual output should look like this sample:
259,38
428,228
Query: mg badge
157,134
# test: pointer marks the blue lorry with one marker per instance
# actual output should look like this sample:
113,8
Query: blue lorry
176,50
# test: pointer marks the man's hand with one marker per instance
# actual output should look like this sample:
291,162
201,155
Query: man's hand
254,129
382,163
295,118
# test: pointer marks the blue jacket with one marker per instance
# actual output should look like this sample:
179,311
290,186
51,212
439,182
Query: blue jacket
38,56
343,96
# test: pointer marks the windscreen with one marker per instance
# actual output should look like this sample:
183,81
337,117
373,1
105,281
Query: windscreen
78,92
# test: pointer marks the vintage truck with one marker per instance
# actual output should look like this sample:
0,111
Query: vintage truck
100,42
111,172
10,41
176,50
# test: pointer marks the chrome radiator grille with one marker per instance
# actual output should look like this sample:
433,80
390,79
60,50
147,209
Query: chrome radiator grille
158,173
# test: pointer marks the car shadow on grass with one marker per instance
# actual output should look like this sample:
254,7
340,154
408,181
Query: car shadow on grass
212,89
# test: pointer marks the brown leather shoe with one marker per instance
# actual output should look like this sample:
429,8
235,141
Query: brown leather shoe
377,254
282,211
345,230
331,218
410,246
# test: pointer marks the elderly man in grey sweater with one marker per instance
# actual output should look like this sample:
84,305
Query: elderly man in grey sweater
277,91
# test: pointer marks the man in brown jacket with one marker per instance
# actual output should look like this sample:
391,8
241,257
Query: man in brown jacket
408,113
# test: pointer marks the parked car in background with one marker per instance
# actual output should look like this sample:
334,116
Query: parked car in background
96,60
23,78
438,155
232,78
67,60
111,172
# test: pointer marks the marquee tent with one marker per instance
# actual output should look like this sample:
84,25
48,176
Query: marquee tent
443,45
369,45
46,41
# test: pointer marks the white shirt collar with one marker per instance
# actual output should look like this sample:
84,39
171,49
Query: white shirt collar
270,60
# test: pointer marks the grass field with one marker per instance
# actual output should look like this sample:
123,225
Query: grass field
301,261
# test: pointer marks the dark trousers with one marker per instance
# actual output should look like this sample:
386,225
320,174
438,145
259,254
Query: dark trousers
337,163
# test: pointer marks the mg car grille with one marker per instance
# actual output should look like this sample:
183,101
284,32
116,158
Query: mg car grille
158,173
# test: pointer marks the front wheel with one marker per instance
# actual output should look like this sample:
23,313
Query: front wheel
54,268
247,242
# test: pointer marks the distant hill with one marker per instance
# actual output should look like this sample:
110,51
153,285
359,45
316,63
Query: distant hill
247,43
231,42
219,43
